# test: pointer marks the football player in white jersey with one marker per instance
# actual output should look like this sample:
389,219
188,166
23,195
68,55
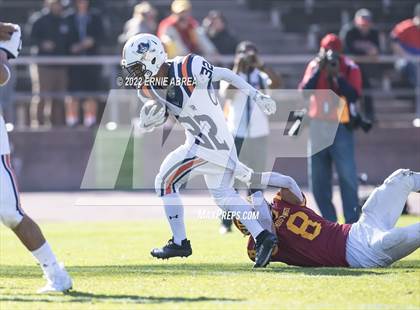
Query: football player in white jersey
183,87
11,213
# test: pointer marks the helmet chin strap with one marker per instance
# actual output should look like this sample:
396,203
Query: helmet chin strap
163,70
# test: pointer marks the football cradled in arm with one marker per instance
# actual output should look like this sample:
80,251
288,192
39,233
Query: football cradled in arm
152,115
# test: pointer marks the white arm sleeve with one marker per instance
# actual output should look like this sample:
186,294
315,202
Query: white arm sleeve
279,180
229,76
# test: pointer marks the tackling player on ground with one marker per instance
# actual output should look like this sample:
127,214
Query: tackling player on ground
11,213
209,149
307,239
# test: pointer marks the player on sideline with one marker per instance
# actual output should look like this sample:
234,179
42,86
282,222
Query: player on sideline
307,239
11,213
209,149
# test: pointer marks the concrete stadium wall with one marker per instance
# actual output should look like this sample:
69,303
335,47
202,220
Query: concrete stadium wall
56,160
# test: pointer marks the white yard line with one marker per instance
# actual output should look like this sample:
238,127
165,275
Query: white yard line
132,206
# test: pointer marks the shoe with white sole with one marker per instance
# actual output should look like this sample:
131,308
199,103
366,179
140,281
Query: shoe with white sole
57,281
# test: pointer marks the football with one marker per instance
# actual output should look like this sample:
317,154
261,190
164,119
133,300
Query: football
152,103
153,113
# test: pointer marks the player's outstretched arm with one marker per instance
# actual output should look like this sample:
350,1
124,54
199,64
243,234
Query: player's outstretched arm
278,180
229,76
266,104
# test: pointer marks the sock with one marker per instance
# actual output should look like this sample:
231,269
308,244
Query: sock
252,225
174,211
46,258
229,200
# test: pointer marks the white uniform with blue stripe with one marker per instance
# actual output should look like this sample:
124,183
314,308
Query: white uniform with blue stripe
209,148
11,213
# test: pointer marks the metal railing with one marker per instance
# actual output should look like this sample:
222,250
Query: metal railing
111,65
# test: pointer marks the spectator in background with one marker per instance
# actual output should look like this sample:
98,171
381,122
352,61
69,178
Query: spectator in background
247,123
48,33
181,34
217,31
143,21
332,70
362,39
86,32
406,42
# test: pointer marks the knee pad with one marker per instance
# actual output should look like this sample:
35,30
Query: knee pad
10,217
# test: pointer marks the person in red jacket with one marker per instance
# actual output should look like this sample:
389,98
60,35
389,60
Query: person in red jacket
306,239
331,70
405,44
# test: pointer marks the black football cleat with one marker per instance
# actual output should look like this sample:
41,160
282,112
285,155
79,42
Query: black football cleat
171,249
264,246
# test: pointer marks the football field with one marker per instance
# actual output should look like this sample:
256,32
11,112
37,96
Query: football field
112,269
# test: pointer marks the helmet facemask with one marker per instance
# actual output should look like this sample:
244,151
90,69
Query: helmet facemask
138,70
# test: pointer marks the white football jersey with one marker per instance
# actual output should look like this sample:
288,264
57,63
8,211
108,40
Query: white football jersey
193,102
4,140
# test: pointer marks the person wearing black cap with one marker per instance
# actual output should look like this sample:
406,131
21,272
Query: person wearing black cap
361,38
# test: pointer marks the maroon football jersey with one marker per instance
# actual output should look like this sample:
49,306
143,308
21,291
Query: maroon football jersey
305,238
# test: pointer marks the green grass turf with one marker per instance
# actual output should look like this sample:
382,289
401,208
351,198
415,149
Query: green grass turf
112,269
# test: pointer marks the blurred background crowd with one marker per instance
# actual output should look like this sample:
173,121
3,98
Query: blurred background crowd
68,93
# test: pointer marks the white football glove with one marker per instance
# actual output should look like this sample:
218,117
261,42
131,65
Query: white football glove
13,46
265,103
152,115
280,180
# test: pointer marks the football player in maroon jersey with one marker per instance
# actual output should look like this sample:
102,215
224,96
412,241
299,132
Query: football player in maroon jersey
307,239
